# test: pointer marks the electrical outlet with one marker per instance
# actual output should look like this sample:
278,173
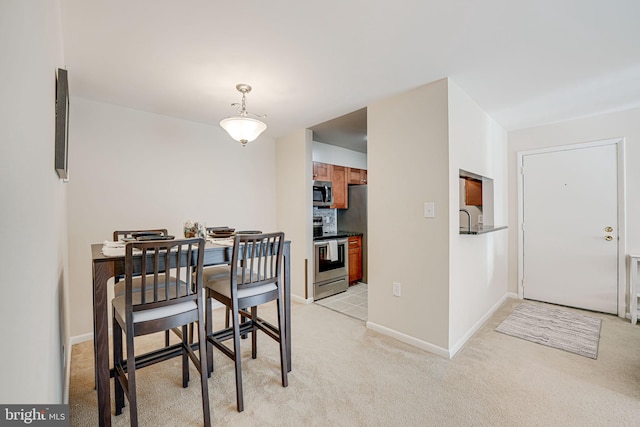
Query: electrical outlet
396,289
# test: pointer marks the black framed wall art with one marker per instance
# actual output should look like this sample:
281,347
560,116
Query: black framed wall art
62,125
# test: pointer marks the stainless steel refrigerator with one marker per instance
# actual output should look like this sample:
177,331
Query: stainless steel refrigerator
355,219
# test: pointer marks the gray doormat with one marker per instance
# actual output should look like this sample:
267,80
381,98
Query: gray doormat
555,328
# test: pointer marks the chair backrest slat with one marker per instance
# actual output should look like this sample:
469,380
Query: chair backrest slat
189,277
259,256
122,234
157,258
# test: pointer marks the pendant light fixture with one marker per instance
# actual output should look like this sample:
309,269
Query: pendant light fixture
243,128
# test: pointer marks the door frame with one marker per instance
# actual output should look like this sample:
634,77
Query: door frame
622,272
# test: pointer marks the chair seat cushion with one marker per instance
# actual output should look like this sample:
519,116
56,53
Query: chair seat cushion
216,272
222,286
155,313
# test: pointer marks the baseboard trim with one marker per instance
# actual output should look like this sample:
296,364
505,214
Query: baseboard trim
424,345
432,348
302,300
476,326
81,338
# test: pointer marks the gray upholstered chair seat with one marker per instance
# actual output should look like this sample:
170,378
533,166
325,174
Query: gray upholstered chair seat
216,272
156,313
222,287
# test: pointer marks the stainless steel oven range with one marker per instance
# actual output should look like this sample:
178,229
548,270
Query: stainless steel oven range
331,274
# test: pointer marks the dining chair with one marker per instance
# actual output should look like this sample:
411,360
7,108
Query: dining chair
253,279
165,305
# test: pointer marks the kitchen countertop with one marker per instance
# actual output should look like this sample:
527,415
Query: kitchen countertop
337,235
483,229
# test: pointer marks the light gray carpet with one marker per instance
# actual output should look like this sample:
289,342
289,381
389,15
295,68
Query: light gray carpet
572,332
346,375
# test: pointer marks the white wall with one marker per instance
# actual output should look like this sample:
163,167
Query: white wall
478,263
33,307
130,169
624,124
333,155
294,176
409,166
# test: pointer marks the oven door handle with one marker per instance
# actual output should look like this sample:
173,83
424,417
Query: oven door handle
324,242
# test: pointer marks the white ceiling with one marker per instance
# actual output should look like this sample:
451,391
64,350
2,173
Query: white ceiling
524,62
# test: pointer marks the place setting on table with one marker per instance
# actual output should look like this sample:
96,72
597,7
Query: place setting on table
220,236
116,247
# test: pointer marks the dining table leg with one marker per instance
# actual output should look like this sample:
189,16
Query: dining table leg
101,273
287,302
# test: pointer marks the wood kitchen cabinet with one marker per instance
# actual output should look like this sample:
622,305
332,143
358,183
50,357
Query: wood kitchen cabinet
356,176
355,259
473,192
341,177
340,189
322,171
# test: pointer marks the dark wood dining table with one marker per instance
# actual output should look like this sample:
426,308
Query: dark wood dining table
106,267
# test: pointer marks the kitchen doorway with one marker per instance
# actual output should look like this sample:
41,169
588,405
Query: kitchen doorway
571,220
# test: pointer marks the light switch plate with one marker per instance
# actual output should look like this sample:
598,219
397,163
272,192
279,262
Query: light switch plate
397,289
429,210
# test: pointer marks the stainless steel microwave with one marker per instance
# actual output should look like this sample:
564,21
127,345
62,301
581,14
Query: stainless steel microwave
322,193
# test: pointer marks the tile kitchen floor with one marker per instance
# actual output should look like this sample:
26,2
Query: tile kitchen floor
352,302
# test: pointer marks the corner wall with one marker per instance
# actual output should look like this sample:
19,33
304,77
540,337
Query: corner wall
33,223
478,263
408,164
294,207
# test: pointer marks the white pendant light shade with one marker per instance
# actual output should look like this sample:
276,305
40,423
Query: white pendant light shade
243,129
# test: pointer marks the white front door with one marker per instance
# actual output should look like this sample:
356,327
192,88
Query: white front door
570,227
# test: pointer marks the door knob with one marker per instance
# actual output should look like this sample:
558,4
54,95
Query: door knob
608,229
608,238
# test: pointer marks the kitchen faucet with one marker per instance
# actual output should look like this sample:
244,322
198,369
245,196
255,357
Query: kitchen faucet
468,215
